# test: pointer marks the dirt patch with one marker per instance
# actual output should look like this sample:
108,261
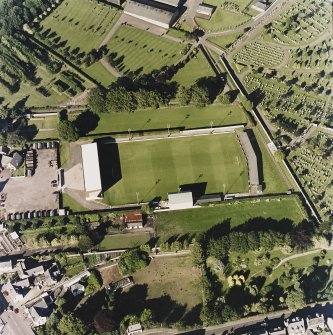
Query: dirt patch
110,275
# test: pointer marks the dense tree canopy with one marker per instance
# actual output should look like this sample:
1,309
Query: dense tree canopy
131,261
68,131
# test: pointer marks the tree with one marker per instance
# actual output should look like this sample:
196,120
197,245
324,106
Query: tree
96,100
146,317
224,98
71,325
197,253
68,131
15,139
295,300
120,100
200,96
219,248
94,283
184,95
131,261
85,243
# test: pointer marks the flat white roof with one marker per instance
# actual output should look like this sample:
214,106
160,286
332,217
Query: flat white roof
91,172
180,197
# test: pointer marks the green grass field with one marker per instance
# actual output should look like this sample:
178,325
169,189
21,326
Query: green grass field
81,23
142,52
68,201
121,241
99,73
188,117
224,41
154,168
195,69
196,220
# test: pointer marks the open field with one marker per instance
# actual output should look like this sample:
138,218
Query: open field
193,221
80,24
198,67
205,164
121,241
169,286
188,117
138,51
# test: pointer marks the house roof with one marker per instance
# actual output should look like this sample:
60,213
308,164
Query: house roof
133,328
173,3
6,265
16,160
91,170
78,287
14,235
35,271
180,197
5,160
133,217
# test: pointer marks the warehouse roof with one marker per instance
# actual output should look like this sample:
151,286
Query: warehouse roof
91,172
173,3
205,9
148,11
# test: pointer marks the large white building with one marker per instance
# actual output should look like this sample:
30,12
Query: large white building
180,200
91,171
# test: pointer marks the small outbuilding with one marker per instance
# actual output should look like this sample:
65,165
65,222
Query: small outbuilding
134,329
77,289
260,6
204,11
180,200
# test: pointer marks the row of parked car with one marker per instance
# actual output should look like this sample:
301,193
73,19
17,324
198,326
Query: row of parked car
45,145
32,214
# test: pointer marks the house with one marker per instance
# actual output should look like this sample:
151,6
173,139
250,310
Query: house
260,6
204,11
15,162
6,267
153,12
316,323
40,311
77,289
180,200
278,331
295,326
133,220
91,171
134,329
14,236
26,269
5,160
15,292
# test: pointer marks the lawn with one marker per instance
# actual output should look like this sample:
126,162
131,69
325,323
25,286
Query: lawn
224,41
196,220
224,19
150,169
100,74
169,286
68,201
193,70
139,51
81,23
123,241
188,117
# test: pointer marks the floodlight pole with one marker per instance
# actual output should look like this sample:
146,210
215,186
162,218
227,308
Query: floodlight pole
137,196
129,133
168,126
211,126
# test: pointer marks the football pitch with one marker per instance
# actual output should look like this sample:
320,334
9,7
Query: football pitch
141,171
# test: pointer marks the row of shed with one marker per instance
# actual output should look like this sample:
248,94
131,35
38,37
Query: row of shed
32,214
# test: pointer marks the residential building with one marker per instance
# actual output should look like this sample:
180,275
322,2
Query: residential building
15,162
40,310
295,326
260,6
77,289
6,267
316,323
15,292
91,171
133,220
180,200
134,329
278,331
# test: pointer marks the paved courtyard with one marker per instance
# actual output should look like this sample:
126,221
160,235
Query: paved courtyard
33,193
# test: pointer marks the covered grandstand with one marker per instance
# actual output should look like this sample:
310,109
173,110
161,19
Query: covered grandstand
254,183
